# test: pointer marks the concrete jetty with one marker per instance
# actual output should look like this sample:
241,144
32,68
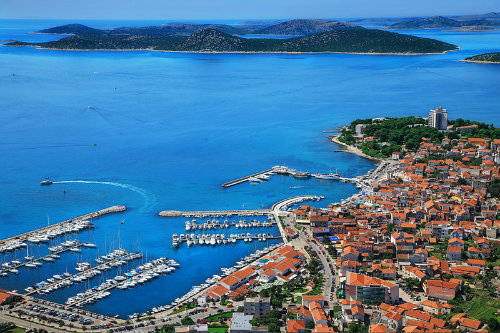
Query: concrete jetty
203,213
23,237
244,179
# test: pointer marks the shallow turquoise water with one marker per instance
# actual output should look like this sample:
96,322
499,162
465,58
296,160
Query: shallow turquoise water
170,128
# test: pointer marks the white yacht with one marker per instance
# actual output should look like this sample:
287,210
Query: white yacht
329,176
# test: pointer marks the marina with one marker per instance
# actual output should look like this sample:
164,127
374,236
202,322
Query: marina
84,272
219,239
263,176
165,310
140,275
13,266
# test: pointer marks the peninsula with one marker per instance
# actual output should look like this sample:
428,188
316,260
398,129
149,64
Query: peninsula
348,39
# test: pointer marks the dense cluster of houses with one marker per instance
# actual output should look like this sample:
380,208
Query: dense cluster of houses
430,220
283,264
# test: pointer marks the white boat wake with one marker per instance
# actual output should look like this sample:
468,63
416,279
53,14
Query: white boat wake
141,192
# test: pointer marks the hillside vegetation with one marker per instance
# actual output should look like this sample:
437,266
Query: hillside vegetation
305,27
211,40
493,57
437,22
382,137
292,27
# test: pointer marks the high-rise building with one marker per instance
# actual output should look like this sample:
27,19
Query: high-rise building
438,118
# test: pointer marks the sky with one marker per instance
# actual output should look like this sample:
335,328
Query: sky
237,9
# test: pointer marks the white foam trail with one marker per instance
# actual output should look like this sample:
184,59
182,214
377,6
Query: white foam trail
135,189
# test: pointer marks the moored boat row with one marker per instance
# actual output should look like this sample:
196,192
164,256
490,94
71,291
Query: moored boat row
137,276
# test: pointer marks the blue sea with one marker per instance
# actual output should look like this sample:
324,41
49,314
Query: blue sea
156,131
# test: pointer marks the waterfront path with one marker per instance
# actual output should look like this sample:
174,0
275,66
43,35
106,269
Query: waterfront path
241,212
23,237
286,203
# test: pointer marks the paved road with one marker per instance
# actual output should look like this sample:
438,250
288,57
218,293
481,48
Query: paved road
26,324
328,265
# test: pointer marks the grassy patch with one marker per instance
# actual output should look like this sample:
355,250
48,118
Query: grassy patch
478,308
220,315
300,290
299,300
17,330
437,255
218,328
298,227
184,308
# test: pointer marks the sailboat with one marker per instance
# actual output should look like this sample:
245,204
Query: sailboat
28,257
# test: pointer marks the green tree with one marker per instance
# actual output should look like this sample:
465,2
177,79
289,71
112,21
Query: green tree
187,321
493,324
273,327
170,328
310,325
353,328
494,188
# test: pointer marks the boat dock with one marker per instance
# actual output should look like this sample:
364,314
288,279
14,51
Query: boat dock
283,170
108,286
5,270
244,179
71,277
215,213
23,237
228,239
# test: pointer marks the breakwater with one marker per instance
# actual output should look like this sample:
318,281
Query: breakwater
23,237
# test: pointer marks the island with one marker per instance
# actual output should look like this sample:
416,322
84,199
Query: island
486,58
208,40
305,27
440,22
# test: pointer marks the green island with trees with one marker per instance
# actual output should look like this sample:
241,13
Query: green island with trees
490,58
348,40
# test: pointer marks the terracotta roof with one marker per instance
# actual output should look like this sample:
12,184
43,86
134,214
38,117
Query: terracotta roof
363,280
293,326
322,328
418,314
311,298
470,323
376,328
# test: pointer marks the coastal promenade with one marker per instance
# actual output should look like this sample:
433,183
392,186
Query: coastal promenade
280,205
23,237
229,213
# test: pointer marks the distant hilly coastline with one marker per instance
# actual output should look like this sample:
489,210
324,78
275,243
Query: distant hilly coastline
305,27
288,28
486,58
440,22
353,40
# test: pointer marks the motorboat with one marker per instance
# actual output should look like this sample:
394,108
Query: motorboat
46,182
